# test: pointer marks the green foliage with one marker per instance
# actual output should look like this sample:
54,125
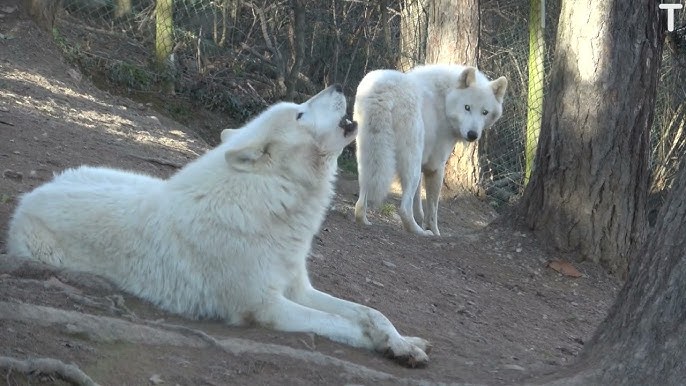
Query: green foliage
130,75
347,162
387,209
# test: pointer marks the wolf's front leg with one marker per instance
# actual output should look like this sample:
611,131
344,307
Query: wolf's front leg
433,180
283,314
410,351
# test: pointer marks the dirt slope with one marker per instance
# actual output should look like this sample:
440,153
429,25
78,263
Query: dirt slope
481,294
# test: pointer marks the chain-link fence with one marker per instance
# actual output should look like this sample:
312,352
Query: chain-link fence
237,57
517,39
232,56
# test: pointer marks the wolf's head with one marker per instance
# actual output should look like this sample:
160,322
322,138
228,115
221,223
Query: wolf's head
474,103
289,134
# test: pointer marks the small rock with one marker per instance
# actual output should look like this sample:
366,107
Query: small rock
13,175
376,283
518,250
156,379
389,264
4,109
514,367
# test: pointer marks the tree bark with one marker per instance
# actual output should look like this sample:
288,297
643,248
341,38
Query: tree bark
413,30
588,191
164,42
453,37
641,342
453,32
43,12
297,47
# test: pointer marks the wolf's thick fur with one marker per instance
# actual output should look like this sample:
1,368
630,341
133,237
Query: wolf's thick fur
227,236
409,124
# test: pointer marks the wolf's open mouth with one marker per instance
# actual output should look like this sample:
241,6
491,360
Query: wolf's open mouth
348,126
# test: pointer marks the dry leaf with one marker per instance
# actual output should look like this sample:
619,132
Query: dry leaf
564,268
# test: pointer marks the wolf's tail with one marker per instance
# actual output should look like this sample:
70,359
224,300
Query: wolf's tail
376,164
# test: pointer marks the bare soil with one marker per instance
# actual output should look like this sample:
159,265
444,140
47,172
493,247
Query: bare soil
481,293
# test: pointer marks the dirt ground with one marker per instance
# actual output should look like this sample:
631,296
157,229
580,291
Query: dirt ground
481,293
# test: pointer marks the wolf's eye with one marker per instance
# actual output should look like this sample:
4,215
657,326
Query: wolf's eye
299,116
467,107
484,112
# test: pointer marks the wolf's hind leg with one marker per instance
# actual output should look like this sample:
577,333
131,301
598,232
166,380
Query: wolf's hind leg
29,238
410,176
361,209
417,208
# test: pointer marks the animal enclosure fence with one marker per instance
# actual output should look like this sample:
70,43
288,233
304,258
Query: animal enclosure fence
237,56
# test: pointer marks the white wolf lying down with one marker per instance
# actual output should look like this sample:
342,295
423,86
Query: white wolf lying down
227,236
409,124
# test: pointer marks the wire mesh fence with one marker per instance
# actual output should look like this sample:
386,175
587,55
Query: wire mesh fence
237,57
517,39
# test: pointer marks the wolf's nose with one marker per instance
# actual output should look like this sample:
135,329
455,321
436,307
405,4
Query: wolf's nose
337,87
472,136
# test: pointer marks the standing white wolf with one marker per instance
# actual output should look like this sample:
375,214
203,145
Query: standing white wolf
409,124
227,236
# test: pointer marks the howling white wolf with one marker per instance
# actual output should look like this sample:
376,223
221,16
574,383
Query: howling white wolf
226,237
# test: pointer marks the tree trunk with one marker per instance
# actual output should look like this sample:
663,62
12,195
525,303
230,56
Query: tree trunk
588,191
297,47
413,30
453,37
641,342
43,12
164,42
453,32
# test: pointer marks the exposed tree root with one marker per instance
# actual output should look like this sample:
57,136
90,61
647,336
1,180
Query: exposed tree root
108,329
47,366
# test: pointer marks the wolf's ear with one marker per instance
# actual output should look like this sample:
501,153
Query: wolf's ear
248,158
499,86
227,133
467,77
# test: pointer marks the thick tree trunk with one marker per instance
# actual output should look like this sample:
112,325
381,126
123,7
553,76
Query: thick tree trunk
453,32
588,191
43,12
297,47
413,29
641,342
453,37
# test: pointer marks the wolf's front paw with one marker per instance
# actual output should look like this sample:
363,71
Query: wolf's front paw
408,355
418,342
